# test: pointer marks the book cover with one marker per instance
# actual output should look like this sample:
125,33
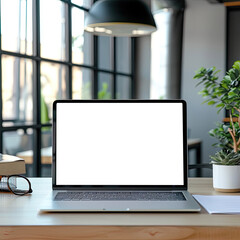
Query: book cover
11,165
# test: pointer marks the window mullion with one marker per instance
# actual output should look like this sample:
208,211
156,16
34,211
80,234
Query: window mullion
133,74
36,90
114,85
95,64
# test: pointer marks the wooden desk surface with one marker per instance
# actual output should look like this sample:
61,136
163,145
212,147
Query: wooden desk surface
20,219
46,156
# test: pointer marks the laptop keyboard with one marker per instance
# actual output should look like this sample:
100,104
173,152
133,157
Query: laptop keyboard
120,196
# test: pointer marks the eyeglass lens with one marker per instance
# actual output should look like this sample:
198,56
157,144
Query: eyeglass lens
19,185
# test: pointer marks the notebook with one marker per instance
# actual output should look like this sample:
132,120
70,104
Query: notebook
119,156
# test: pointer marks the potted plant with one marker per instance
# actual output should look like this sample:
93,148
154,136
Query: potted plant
224,95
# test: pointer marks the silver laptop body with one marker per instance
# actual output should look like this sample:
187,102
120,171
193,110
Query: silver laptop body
119,156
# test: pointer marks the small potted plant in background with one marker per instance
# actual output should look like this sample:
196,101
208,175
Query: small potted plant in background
224,94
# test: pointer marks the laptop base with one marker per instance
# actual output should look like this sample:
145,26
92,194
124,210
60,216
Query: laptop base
189,205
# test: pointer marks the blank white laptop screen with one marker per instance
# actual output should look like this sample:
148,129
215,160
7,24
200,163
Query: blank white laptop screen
119,143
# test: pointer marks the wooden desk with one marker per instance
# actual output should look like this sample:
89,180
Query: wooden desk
46,156
20,219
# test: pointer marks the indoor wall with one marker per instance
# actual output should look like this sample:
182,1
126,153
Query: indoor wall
204,45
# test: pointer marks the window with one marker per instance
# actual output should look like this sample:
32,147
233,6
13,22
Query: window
46,55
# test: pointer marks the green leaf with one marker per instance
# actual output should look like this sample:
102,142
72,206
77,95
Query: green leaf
220,110
225,86
203,92
236,73
211,103
225,128
236,65
230,94
227,78
220,105
231,73
199,83
207,85
217,72
206,101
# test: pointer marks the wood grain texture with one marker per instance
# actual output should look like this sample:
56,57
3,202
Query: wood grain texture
119,233
20,219
44,159
232,4
227,119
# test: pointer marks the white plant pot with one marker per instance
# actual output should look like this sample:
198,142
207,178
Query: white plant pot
226,178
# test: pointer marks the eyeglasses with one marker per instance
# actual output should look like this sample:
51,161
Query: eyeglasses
17,184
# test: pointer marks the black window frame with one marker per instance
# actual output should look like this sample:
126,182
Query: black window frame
37,59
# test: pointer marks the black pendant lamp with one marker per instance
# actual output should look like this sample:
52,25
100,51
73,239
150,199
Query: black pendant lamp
120,18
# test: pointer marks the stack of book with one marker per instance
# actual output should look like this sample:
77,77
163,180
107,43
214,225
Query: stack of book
10,165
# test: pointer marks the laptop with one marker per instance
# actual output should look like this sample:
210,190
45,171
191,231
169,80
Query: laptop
119,156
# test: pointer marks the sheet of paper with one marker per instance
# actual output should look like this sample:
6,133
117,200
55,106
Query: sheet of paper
219,204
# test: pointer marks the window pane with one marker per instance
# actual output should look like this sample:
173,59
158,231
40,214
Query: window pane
82,83
52,27
20,143
104,85
16,26
82,42
123,87
17,141
83,3
53,86
105,54
123,51
17,89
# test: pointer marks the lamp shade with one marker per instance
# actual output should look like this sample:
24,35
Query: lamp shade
120,18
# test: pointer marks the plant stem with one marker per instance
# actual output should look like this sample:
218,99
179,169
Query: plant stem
235,148
233,128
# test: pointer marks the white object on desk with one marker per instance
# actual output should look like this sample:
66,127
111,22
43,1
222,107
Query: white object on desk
220,204
226,178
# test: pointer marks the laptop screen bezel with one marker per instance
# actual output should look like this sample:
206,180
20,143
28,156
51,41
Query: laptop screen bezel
121,187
